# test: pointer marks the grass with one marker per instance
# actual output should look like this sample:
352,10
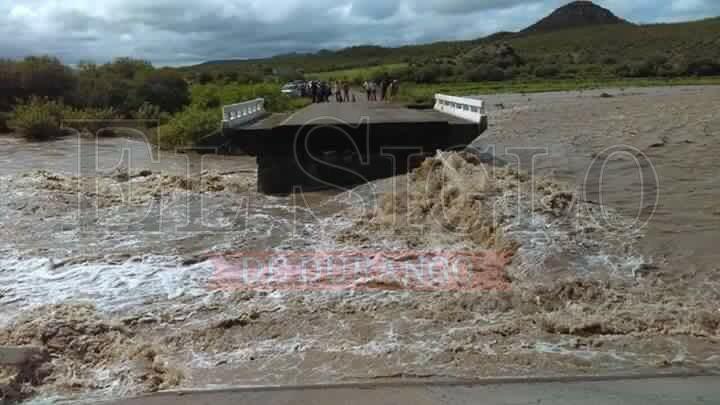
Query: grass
424,93
357,75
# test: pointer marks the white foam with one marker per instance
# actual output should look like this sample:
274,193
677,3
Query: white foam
111,287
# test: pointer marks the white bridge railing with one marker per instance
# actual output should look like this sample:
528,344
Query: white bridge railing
241,113
462,107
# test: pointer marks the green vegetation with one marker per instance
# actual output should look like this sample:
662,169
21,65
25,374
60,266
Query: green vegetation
215,95
40,93
424,93
43,99
42,118
359,75
187,127
203,116
96,121
595,53
37,119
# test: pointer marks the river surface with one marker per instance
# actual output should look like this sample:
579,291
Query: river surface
134,234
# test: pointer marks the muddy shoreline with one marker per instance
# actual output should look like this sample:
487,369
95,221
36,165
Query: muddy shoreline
120,299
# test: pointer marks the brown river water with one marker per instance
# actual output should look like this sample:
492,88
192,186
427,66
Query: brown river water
105,246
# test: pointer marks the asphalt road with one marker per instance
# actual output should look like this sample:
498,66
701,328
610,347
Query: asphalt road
364,112
654,391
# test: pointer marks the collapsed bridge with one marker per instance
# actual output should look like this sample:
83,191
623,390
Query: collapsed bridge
335,145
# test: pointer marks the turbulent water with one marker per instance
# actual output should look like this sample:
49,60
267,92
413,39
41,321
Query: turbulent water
109,260
124,233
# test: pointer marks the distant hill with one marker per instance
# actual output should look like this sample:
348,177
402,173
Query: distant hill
574,15
580,34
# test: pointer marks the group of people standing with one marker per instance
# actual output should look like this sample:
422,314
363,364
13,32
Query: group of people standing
381,90
322,91
387,88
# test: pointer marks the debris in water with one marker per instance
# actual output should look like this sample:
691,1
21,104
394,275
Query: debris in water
81,343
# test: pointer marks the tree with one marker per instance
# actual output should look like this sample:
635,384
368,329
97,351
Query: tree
432,73
128,68
93,87
485,72
45,76
165,88
547,71
10,84
205,78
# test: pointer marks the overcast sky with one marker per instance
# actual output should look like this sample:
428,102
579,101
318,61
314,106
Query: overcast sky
174,32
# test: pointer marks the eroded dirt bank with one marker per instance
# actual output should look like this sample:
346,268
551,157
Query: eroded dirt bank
123,302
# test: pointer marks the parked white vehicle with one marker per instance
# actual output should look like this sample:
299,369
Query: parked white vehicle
291,89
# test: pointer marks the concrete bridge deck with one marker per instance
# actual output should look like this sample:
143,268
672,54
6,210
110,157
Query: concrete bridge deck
330,145
374,113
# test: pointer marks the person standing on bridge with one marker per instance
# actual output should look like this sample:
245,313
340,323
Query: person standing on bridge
314,92
328,92
346,90
337,91
394,89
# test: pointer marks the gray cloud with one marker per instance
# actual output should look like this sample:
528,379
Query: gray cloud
188,31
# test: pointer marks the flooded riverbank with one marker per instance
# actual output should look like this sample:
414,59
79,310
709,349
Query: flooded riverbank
108,256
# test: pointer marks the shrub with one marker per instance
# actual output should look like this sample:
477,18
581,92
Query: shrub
283,103
187,127
485,72
96,121
641,69
37,119
609,60
672,69
546,71
704,67
571,70
149,113
623,70
433,73
4,117
502,55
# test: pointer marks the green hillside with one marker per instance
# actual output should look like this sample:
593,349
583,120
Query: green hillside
693,40
616,50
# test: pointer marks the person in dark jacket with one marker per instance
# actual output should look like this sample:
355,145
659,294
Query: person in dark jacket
383,89
314,92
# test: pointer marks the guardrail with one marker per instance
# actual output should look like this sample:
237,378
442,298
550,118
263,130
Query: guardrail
462,107
241,113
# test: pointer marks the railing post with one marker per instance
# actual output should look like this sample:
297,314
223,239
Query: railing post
462,107
240,113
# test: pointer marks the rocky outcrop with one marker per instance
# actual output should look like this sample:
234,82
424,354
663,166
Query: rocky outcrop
573,15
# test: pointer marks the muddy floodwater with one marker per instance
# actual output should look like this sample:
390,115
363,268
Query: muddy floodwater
587,223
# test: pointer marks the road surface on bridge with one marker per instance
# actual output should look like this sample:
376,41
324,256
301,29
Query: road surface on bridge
364,112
